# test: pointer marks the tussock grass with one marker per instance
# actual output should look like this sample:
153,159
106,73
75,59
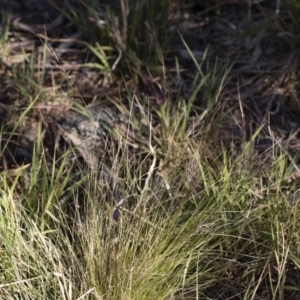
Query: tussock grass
134,29
189,227
184,215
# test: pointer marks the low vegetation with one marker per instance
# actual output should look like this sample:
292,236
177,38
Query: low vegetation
149,150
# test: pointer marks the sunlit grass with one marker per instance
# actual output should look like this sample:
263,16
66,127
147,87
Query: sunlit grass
178,217
192,227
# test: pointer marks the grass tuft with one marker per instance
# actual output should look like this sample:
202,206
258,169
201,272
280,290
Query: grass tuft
112,189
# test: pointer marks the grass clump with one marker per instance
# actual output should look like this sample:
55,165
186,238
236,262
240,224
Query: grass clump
189,228
35,264
134,29
188,199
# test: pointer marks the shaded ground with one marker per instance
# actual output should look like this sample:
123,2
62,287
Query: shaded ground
262,89
263,77
264,72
